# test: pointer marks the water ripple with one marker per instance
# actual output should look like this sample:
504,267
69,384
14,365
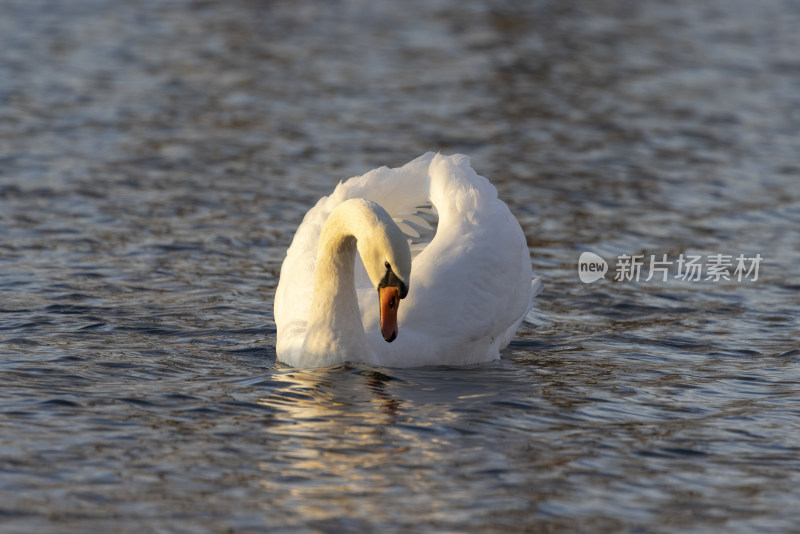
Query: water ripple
156,158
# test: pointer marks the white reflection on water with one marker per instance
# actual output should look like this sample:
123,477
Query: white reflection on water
349,441
333,443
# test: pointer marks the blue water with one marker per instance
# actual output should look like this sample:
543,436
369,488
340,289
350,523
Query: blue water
156,157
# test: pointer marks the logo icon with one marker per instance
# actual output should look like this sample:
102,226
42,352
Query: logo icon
591,267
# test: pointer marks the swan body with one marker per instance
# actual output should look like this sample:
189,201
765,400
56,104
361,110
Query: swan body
465,276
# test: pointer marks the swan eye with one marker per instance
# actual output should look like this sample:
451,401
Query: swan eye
389,267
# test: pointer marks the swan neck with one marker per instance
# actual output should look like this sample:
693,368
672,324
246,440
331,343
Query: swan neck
335,329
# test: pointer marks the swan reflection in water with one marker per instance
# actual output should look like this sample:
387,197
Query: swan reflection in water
319,396
331,437
343,442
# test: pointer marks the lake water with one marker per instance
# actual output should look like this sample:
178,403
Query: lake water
156,157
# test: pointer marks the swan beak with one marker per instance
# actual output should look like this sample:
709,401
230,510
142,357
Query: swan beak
390,301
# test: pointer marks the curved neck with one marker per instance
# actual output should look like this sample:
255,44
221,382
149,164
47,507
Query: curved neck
335,330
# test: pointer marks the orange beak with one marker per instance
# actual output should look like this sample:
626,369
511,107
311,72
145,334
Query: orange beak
390,301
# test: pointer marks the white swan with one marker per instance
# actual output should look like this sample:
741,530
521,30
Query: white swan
466,289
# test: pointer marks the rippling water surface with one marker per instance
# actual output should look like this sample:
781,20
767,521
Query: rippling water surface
156,157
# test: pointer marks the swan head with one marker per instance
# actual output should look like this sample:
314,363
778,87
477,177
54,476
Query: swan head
390,290
387,259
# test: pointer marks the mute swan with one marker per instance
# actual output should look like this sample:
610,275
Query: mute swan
465,284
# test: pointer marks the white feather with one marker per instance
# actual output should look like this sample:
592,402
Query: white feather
470,285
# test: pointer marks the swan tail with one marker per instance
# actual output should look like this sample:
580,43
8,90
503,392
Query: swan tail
536,288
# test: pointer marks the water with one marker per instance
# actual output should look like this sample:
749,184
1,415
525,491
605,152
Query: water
156,157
